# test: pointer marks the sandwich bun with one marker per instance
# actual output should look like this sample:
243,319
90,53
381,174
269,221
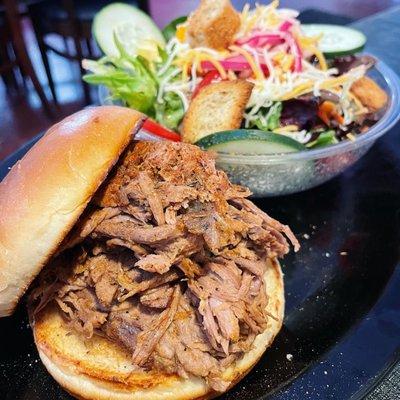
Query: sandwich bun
45,193
99,369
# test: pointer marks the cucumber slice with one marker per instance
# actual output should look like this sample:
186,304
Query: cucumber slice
263,179
246,141
132,26
336,40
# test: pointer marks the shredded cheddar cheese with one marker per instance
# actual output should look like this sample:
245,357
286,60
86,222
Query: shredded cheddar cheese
271,44
287,128
298,91
181,33
321,58
231,75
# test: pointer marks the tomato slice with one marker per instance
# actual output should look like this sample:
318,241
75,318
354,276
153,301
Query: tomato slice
156,129
208,78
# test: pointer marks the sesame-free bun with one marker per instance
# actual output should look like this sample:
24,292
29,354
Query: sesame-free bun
44,194
98,369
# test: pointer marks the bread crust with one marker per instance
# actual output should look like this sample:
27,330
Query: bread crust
218,107
369,93
99,369
213,24
44,194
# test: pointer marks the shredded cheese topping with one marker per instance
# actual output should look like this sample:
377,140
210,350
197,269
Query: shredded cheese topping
277,54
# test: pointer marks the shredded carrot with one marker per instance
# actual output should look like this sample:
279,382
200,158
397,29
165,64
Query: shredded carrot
327,110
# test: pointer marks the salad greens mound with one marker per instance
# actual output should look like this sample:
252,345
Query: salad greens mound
304,85
134,81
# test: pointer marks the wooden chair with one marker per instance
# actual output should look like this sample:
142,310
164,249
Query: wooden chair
6,55
11,37
70,19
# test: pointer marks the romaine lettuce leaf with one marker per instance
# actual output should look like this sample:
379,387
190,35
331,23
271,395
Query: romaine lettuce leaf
170,112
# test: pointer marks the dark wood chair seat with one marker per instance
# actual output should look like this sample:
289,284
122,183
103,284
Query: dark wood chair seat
68,19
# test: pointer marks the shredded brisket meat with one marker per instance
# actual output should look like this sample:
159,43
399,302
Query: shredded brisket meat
169,263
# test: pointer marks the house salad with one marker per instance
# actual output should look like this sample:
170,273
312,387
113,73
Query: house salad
221,76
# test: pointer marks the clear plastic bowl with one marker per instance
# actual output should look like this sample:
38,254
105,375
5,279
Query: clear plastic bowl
280,174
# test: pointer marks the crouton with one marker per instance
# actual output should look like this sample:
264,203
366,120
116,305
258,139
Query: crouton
369,93
218,107
214,24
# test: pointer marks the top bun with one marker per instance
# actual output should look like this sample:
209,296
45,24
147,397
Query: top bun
45,193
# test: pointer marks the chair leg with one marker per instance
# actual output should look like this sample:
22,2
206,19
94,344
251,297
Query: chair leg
66,45
45,59
21,53
9,77
89,46
15,73
79,53
43,52
27,68
86,90
69,7
18,72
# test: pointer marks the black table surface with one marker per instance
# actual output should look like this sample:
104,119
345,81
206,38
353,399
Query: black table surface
341,331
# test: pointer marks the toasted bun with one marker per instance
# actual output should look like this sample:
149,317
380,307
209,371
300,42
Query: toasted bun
99,369
45,193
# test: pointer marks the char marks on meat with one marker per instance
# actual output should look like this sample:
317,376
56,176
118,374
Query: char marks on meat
169,263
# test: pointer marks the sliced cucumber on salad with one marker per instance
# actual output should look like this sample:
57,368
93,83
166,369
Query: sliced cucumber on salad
246,141
278,177
336,40
133,28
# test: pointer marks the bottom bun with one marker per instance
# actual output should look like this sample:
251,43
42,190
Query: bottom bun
99,369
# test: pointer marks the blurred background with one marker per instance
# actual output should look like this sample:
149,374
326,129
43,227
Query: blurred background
42,43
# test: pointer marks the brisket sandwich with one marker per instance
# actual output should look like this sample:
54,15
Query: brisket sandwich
159,278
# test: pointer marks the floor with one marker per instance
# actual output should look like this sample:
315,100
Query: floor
21,116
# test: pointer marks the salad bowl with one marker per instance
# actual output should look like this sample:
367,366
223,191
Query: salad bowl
269,175
287,173
285,106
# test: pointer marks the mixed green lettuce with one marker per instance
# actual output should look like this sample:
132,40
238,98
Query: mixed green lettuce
324,139
134,81
268,118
